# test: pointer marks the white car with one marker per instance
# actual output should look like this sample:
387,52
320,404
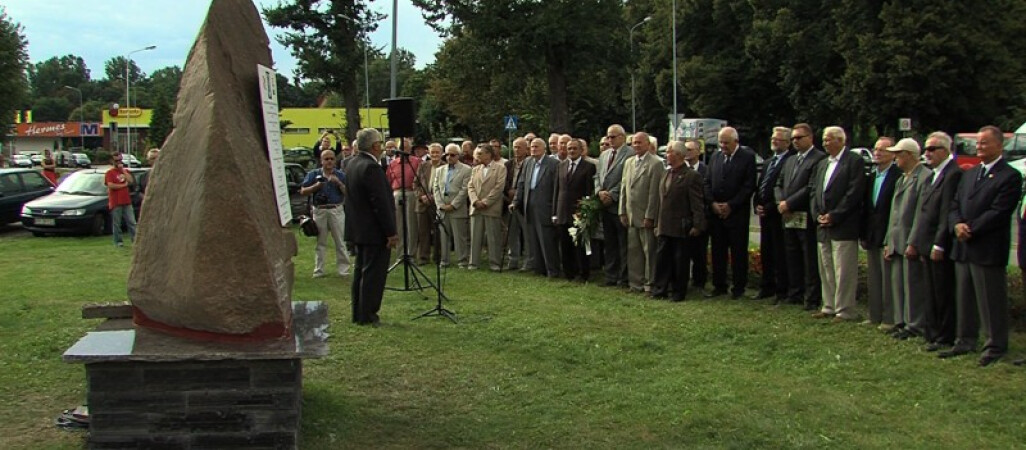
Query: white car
21,161
37,159
131,161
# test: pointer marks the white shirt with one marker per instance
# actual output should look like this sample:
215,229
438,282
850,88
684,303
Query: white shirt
832,166
937,170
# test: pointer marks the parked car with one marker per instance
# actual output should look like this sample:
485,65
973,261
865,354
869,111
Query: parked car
22,161
302,156
867,157
79,206
131,161
18,187
80,160
294,174
37,159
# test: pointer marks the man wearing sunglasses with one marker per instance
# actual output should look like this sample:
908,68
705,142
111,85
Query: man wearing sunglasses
792,194
450,191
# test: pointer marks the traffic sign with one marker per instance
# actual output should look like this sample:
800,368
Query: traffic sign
904,124
510,122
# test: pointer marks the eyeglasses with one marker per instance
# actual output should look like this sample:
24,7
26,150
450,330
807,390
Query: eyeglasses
447,155
614,136
795,138
934,148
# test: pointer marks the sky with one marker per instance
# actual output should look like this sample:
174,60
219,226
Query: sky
98,30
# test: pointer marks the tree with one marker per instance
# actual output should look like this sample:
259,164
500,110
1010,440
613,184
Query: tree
161,122
293,95
48,78
13,63
325,39
554,37
50,109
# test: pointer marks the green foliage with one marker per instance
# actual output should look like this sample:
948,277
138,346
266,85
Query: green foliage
49,77
13,63
51,109
161,123
325,37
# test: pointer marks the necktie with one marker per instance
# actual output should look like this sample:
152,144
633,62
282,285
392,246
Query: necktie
766,179
983,173
448,177
612,160
534,174
570,172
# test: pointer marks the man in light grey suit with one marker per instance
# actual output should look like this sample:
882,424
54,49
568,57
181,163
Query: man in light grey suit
536,196
450,191
907,276
610,174
639,209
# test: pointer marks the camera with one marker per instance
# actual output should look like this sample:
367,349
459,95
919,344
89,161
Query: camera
321,179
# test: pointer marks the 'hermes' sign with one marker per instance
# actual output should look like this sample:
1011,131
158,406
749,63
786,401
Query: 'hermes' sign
59,129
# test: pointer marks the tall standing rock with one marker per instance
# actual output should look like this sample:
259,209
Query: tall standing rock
211,260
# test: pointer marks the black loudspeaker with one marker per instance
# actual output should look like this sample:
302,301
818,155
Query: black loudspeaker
402,119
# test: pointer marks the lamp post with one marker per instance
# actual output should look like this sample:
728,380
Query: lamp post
128,95
81,116
395,25
676,118
634,114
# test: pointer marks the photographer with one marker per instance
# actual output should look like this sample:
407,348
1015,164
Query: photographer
118,179
325,185
324,143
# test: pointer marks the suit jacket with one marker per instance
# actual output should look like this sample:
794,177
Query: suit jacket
512,176
986,205
932,220
369,205
487,188
841,197
610,174
457,194
542,198
765,194
733,183
793,184
904,206
874,222
570,190
682,196
639,189
422,186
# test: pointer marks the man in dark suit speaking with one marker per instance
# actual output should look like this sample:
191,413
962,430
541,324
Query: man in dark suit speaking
981,217
370,212
731,184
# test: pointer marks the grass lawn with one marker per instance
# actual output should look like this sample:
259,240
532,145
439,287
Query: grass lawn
535,363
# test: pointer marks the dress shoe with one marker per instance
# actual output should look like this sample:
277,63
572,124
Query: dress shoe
822,315
901,335
737,296
935,346
715,293
989,358
677,299
761,295
658,296
955,351
1019,362
839,319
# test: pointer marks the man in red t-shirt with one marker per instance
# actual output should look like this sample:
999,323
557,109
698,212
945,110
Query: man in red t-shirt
119,198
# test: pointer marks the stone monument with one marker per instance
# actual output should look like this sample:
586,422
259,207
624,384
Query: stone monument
209,352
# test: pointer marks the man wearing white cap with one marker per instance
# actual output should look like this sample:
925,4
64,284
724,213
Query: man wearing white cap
907,276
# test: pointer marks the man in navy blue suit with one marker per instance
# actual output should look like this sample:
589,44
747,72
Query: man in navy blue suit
981,217
731,184
771,225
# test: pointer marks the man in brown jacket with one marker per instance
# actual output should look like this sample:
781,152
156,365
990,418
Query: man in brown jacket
682,194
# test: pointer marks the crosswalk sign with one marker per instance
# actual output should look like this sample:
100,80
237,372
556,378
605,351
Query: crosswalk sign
510,122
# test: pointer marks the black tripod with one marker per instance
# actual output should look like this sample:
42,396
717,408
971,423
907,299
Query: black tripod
439,310
412,275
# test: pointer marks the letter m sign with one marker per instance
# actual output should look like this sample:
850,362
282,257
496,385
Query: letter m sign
89,129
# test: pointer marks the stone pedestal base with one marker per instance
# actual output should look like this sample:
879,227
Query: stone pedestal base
151,390
195,404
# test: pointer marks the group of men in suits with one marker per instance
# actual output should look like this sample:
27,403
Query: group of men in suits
936,239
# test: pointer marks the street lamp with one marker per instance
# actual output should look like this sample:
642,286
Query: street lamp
81,116
634,114
676,118
128,95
